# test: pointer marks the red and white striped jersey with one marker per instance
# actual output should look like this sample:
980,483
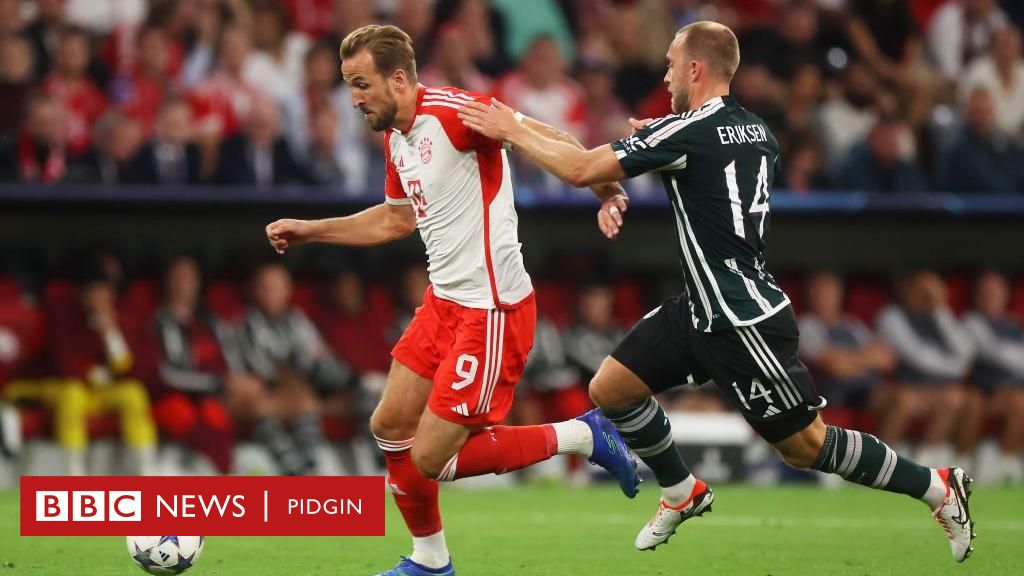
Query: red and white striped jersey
458,185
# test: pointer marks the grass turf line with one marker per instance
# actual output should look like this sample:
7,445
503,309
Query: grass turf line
557,531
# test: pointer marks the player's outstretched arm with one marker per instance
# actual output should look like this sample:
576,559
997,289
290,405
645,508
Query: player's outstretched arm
614,201
372,227
576,166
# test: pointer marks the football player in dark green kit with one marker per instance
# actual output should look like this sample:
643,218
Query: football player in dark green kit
734,324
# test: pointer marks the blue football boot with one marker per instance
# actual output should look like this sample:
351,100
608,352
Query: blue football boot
611,453
409,568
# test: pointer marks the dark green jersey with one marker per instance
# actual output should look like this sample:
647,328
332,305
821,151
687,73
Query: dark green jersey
718,164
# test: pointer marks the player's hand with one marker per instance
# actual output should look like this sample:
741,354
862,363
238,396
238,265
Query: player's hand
638,124
609,217
496,121
285,233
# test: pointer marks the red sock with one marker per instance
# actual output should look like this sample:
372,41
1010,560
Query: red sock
501,449
415,495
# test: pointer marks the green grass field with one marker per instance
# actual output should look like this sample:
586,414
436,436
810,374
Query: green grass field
559,531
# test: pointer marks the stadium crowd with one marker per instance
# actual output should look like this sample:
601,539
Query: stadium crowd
871,95
204,358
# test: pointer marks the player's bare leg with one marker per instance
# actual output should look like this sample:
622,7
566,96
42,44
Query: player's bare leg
861,458
394,423
629,403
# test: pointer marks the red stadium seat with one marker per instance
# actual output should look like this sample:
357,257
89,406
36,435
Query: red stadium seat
865,296
224,299
630,305
1017,299
958,287
306,297
554,301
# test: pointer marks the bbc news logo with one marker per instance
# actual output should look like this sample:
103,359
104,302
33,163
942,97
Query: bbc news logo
210,505
89,506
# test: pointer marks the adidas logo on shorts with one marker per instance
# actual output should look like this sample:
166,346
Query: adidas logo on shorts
461,409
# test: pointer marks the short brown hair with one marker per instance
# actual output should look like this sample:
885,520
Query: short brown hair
389,46
713,43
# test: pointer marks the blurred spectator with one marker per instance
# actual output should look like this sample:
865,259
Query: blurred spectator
789,44
983,159
846,118
44,34
999,368
15,82
171,157
99,16
195,368
82,101
803,165
595,333
347,15
151,81
540,88
322,165
22,338
451,63
37,153
354,330
277,64
934,356
11,19
885,163
803,95
284,349
606,116
416,18
323,89
413,282
758,91
884,34
960,31
846,356
99,363
1001,73
544,18
259,155
310,17
634,75
102,16
118,139
484,28
222,102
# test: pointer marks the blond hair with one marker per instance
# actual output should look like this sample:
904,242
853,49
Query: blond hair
389,46
714,44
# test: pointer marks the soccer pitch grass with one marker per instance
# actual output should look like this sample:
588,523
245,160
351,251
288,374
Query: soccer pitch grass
558,531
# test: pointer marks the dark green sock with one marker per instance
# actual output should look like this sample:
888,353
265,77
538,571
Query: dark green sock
860,457
646,430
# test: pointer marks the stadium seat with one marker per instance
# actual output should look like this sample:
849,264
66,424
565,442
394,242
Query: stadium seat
630,304
306,296
554,301
865,295
959,287
224,299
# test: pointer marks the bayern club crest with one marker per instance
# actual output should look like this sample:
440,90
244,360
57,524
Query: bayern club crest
425,152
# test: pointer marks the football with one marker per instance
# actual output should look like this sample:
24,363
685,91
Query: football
165,554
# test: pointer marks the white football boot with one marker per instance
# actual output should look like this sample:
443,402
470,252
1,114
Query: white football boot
668,518
954,515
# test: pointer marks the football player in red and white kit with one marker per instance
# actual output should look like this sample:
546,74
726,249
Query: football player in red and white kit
454,369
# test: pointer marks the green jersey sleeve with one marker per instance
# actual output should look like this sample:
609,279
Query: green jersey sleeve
657,146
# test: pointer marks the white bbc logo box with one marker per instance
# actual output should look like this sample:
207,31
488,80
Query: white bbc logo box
89,506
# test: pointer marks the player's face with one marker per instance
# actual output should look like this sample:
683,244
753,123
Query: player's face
371,92
676,77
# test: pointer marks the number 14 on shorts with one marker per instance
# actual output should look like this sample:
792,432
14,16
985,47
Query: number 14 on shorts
757,390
